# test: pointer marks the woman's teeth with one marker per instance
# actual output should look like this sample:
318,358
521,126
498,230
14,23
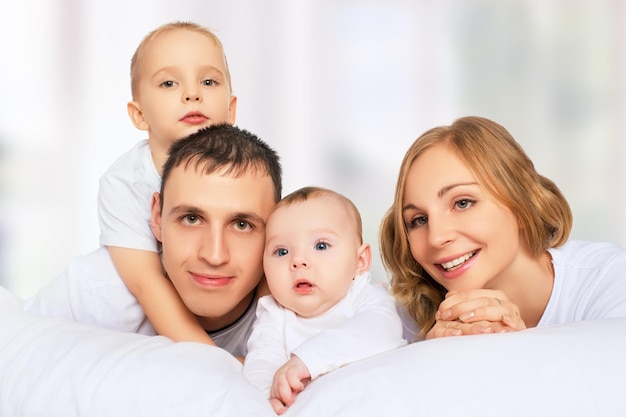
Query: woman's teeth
448,266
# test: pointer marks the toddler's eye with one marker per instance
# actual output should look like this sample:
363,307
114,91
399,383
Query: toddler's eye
281,252
321,246
209,82
168,84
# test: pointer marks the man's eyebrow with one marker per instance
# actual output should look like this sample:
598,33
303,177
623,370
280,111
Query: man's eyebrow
185,209
252,217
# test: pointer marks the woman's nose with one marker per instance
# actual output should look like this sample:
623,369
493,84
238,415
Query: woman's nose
440,231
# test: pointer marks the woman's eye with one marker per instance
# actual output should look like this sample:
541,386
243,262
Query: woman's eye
418,221
209,82
321,246
168,84
464,203
281,252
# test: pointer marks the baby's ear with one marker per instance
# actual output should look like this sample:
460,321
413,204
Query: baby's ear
364,260
136,115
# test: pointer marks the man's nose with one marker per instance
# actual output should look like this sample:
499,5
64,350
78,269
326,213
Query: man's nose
214,248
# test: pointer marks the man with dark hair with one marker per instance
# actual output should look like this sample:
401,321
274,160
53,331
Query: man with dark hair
219,186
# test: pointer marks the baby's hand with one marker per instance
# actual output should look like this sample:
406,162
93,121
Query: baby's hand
289,380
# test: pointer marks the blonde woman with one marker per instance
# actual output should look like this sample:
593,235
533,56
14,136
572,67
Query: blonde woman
476,241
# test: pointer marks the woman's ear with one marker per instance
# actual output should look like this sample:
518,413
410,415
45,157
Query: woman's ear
364,259
136,115
155,216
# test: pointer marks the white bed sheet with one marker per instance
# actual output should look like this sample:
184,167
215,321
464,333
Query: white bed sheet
52,367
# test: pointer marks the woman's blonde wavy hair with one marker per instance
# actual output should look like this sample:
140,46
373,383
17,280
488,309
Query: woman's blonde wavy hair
507,173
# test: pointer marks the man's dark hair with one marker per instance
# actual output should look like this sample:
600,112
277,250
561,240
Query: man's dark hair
224,146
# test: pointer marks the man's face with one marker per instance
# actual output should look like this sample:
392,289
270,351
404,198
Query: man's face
212,228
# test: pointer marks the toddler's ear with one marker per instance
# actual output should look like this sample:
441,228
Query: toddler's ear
232,110
136,115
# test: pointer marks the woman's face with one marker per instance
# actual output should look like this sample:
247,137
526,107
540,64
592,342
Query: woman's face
458,232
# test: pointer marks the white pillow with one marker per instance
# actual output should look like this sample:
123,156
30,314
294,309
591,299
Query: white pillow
51,367
58,368
577,369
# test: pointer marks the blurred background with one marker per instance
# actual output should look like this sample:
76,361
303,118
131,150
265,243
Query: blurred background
339,88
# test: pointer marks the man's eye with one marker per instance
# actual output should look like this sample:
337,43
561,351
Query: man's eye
191,219
281,252
242,225
321,246
209,82
168,84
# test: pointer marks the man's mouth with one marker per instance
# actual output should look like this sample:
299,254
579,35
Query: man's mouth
455,263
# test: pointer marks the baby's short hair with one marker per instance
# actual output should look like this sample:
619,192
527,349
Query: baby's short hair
307,193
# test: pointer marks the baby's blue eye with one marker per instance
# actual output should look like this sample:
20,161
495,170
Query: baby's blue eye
321,246
281,252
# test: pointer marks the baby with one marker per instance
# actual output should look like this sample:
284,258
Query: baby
323,312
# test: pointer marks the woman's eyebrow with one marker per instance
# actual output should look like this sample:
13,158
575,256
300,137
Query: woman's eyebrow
447,188
440,193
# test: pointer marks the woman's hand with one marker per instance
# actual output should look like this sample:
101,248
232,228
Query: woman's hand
476,312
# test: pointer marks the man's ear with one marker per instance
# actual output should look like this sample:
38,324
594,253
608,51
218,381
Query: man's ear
364,258
232,110
155,217
136,115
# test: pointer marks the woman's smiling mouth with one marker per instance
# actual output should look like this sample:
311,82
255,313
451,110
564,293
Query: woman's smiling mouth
455,263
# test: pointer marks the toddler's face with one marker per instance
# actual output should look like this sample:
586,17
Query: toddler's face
182,85
312,253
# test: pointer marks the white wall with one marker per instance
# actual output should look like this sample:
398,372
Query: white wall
339,88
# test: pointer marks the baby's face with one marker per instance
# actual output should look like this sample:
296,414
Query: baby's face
312,253
182,85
